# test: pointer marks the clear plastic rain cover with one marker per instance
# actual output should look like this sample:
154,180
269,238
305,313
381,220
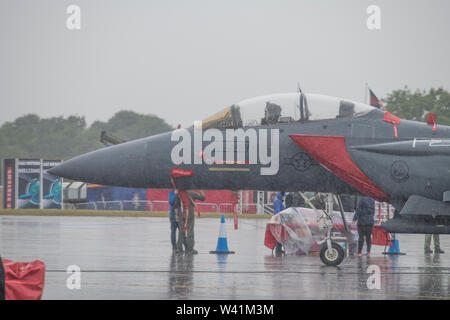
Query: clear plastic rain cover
298,229
296,235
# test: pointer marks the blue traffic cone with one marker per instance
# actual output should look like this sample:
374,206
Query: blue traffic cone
222,245
394,248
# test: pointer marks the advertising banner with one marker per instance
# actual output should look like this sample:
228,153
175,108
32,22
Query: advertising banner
51,186
29,183
9,183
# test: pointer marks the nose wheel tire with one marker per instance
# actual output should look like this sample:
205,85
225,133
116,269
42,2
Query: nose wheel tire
332,257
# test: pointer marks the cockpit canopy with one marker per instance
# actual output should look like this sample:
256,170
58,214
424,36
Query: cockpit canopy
284,108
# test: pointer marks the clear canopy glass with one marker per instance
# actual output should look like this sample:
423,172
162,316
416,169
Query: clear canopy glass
285,108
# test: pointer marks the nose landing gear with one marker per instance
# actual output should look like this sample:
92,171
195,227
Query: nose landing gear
332,257
331,253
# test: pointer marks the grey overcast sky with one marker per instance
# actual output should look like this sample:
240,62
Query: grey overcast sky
184,60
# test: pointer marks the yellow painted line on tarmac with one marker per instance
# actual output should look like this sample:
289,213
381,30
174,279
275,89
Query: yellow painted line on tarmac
229,169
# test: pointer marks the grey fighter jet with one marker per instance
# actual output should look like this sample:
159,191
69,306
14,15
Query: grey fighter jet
291,142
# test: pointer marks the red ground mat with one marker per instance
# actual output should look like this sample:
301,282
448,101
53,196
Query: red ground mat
24,280
380,237
273,232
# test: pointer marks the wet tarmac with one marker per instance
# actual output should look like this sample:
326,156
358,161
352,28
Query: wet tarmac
131,258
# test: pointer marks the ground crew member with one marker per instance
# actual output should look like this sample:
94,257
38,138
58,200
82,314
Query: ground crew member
437,246
173,219
278,206
364,216
187,238
293,199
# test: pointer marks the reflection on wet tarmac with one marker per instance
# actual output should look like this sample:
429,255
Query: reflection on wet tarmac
181,275
131,258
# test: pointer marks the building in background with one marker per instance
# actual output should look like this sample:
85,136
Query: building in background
28,185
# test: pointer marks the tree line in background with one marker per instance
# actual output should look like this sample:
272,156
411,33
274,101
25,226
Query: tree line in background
30,136
416,105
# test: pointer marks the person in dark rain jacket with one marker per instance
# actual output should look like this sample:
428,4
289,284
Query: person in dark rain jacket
364,218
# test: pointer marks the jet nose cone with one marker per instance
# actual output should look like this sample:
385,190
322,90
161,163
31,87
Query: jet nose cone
60,170
71,169
57,171
103,166
116,165
138,164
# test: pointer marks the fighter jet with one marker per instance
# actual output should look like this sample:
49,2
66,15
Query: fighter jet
291,142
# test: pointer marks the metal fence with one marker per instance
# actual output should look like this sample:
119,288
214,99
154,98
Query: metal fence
247,208
159,206
208,207
137,205
383,211
162,206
